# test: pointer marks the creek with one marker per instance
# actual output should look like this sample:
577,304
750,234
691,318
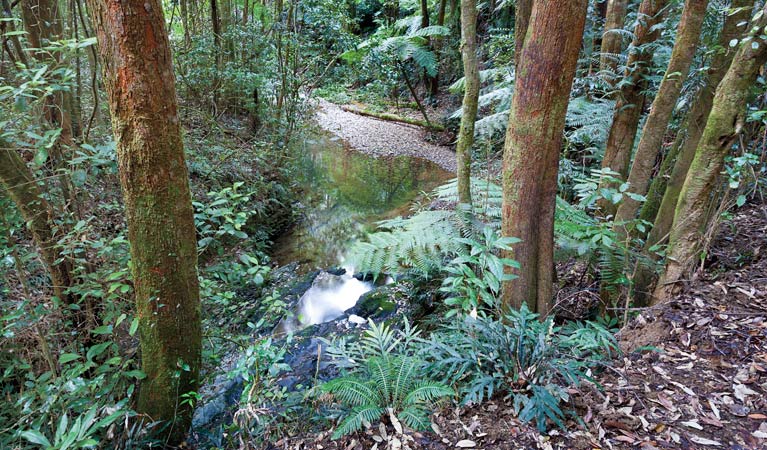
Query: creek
344,193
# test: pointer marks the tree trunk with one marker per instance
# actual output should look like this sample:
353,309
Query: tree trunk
612,39
650,144
23,189
470,98
630,100
185,22
727,117
522,12
43,24
8,27
664,190
140,85
533,144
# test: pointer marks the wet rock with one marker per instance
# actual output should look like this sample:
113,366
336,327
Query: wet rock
224,395
338,271
355,319
378,303
364,276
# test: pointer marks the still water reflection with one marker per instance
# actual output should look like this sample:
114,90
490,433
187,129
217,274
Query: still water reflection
345,192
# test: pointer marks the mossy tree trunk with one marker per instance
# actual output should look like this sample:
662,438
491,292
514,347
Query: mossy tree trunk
629,99
650,144
24,191
139,80
724,123
533,144
470,98
612,38
665,187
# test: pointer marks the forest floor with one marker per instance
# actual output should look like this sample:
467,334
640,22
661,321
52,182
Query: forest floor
693,374
378,137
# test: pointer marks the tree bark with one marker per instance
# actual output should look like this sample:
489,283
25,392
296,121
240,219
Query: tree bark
665,187
470,98
650,144
612,40
630,100
140,85
43,24
664,190
24,191
533,144
14,38
521,20
727,117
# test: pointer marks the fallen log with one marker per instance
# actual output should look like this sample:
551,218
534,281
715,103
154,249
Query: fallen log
393,118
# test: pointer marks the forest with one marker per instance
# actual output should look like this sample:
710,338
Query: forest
383,224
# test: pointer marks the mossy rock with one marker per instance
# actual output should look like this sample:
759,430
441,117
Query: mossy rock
377,303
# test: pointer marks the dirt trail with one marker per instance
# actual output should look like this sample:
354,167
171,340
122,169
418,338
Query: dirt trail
381,138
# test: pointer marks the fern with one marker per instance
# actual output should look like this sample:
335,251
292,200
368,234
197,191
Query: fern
390,381
529,360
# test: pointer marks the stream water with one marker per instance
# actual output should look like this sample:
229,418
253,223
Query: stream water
344,193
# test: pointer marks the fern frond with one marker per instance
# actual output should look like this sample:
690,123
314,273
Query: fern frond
354,421
352,392
415,417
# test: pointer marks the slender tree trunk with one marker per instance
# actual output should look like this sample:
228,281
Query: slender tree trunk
23,189
521,20
139,80
42,21
651,142
8,27
216,23
533,144
185,22
630,100
432,83
664,190
612,39
441,12
470,98
727,118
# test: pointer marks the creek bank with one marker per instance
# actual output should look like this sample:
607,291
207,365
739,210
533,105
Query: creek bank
380,138
305,349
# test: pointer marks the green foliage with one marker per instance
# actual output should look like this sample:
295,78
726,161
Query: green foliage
425,240
78,401
408,43
262,397
528,360
225,216
386,379
474,280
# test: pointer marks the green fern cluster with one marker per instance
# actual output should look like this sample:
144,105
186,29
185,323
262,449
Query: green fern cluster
529,360
427,239
385,378
392,385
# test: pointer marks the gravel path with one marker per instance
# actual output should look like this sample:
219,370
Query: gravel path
382,138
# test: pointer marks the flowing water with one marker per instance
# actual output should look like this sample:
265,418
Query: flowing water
344,193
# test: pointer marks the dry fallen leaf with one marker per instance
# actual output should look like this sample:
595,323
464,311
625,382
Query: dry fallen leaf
741,392
465,443
693,424
703,441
